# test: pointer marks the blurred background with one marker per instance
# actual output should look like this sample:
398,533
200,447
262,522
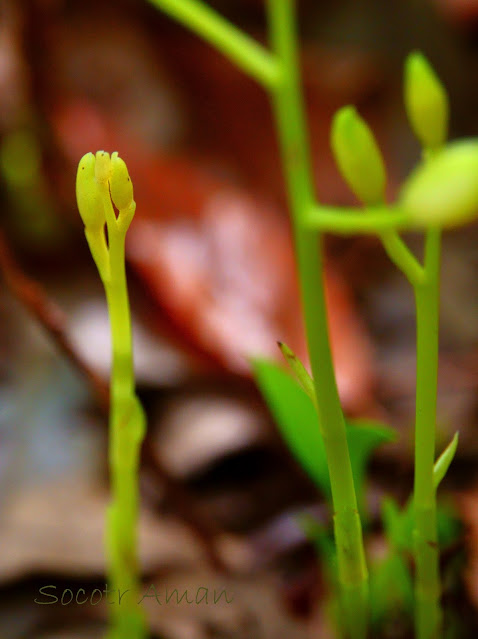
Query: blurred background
212,283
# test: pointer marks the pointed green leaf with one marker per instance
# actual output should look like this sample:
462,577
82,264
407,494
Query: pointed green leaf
364,436
443,462
299,370
296,418
398,524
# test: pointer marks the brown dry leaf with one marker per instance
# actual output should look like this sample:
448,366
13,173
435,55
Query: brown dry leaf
58,528
225,276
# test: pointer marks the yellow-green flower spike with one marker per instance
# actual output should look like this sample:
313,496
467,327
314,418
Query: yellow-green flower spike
102,167
426,102
443,192
88,196
121,187
100,180
358,156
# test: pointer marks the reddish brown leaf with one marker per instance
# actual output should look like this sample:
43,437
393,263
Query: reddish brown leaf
226,278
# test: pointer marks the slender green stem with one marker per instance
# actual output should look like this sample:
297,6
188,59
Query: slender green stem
427,584
279,72
247,54
290,121
350,221
402,257
127,426
122,376
382,220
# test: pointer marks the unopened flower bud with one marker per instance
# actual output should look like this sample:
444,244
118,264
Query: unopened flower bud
121,187
443,192
103,167
88,197
426,102
358,156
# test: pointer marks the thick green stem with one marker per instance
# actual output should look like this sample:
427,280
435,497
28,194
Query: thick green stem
290,121
127,426
427,584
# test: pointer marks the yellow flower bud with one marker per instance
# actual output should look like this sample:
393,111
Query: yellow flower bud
358,156
103,167
426,102
88,196
443,191
121,187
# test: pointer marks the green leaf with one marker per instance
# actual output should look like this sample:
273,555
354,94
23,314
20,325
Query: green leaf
391,589
443,462
363,437
398,524
297,420
449,526
299,370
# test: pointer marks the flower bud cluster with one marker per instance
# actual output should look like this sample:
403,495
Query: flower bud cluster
443,190
99,176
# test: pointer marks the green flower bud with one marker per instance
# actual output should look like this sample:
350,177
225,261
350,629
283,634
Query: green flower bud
358,156
443,191
103,167
121,187
88,197
426,102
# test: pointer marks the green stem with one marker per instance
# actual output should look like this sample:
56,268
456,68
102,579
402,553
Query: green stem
247,54
350,221
427,583
401,256
127,426
290,121
279,72
122,377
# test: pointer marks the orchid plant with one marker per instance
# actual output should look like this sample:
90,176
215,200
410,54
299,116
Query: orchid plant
441,192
